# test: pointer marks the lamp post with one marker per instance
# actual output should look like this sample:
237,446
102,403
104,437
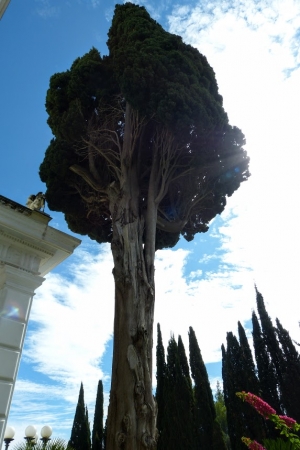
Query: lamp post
8,436
46,432
30,435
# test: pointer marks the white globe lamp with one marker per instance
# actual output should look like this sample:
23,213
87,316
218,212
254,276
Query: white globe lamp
46,432
8,436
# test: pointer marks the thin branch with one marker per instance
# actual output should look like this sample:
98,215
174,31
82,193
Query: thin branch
90,199
104,154
86,176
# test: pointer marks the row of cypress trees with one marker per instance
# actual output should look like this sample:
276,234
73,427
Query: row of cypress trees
274,376
186,411
188,417
81,434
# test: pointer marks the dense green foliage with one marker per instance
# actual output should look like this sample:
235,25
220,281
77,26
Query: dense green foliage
204,409
290,372
180,124
275,378
162,75
284,360
80,435
221,415
269,336
187,412
97,434
177,430
238,375
265,367
161,373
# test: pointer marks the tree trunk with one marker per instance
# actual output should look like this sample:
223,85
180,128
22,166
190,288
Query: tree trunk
131,423
132,410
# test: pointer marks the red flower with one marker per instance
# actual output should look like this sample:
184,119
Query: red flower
256,446
261,407
288,421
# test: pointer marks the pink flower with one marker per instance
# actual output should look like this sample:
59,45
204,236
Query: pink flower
261,407
256,446
253,445
288,421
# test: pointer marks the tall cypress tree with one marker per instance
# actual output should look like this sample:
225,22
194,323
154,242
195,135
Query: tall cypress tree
177,425
183,361
291,373
97,435
272,344
80,435
160,379
265,367
284,361
251,381
208,431
231,383
186,391
238,376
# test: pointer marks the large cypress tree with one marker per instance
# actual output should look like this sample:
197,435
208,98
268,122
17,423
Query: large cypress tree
80,435
272,344
265,367
177,425
282,376
207,428
97,435
204,411
142,153
183,361
250,381
291,373
238,376
161,373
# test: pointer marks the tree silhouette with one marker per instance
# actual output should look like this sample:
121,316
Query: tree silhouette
142,153
80,435
97,434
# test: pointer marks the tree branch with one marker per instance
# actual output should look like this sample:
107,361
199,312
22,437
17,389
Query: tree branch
86,176
170,227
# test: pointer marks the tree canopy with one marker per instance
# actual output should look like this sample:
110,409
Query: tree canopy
166,91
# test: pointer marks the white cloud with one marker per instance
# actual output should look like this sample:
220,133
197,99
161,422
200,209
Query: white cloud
46,10
95,3
74,318
208,23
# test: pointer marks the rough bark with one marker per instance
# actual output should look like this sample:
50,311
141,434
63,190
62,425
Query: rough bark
132,409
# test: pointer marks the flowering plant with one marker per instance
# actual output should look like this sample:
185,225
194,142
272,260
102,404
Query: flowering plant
286,425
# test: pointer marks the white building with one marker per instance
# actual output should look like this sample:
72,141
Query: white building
29,249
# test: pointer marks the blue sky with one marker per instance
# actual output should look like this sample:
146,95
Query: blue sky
207,284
